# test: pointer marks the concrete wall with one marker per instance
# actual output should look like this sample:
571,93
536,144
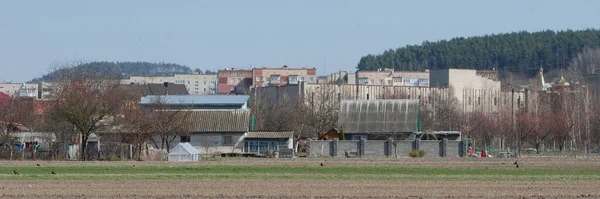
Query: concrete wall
453,148
384,148
351,146
376,148
431,147
319,148
403,147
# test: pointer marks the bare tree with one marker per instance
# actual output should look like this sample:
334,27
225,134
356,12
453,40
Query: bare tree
14,112
586,62
85,98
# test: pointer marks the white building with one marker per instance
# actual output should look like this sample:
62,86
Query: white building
196,84
19,89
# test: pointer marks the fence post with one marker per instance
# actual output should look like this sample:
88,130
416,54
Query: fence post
335,147
390,147
307,147
444,147
416,144
361,147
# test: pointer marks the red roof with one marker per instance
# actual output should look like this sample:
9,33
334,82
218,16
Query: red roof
4,97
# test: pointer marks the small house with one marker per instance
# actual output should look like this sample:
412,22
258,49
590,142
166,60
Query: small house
262,142
184,152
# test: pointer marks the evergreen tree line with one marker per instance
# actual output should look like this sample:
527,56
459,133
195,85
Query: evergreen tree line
518,52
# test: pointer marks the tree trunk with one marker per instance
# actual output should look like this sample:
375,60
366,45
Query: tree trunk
84,139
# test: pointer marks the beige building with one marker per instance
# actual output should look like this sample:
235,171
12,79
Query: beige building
389,77
282,76
196,84
19,89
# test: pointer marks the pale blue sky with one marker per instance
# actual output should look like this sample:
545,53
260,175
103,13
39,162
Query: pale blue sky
330,34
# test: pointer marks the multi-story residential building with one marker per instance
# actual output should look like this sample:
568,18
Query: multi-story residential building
475,90
20,89
196,83
388,77
232,81
262,77
342,77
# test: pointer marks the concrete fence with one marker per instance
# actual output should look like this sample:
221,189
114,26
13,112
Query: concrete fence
384,148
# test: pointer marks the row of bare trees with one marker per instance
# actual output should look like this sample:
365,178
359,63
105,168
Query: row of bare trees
86,102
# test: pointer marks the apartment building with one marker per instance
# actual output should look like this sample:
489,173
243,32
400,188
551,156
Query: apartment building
20,89
388,77
341,77
232,81
196,83
262,77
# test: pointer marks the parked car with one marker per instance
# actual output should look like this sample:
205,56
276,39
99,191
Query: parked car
506,154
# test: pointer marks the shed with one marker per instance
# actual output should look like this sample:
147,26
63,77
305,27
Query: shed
184,152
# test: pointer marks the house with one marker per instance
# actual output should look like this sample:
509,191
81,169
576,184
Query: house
199,102
217,131
379,119
262,142
330,135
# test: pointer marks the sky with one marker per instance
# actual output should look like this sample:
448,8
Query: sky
329,35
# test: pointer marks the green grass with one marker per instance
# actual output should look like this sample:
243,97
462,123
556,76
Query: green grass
279,172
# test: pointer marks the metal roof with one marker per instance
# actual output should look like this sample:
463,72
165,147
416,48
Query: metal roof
219,121
379,116
286,134
211,100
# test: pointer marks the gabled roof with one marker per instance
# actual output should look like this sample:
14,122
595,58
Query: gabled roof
203,100
219,121
379,116
285,134
185,146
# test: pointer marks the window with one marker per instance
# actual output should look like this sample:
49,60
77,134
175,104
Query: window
301,78
227,140
179,82
389,82
397,79
204,89
196,82
204,82
380,81
363,81
495,101
372,81
258,78
185,139
311,79
274,78
293,78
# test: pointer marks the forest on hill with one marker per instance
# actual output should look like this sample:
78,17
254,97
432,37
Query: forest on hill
127,69
519,52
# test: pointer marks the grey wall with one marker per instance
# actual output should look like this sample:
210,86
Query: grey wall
347,145
431,147
403,147
453,148
376,148
318,148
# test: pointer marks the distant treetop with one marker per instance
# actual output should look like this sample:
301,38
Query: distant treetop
518,52
127,69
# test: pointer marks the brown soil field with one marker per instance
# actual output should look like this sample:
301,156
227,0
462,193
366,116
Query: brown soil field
278,188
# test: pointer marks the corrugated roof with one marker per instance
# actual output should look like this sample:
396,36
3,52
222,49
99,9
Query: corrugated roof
379,116
219,121
285,134
212,100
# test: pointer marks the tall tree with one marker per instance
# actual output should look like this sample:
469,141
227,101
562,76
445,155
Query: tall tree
86,99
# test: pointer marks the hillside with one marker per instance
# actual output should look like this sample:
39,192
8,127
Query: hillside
130,69
519,52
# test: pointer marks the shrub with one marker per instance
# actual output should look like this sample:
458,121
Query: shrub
421,153
416,154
